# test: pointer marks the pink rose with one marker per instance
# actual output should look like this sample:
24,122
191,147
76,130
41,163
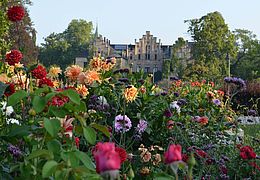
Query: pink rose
173,154
106,157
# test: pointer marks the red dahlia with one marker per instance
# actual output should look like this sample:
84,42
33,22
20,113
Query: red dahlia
45,81
39,72
9,90
247,152
122,153
15,13
13,57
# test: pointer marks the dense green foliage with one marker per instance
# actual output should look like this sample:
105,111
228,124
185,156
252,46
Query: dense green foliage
247,62
213,43
63,48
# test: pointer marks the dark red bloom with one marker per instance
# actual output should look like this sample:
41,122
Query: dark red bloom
45,81
59,100
253,164
13,57
15,13
122,153
167,113
247,152
39,72
201,153
185,157
223,169
9,90
77,140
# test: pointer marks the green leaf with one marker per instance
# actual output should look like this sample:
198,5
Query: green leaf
3,86
19,131
40,153
39,103
54,146
39,91
58,111
49,168
101,128
73,95
85,159
16,97
52,126
90,135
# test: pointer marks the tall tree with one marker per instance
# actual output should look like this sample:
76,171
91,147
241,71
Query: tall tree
18,35
213,43
247,62
63,48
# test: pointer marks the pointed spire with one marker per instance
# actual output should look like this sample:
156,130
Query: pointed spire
96,32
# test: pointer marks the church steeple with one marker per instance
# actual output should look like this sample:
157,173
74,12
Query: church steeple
96,32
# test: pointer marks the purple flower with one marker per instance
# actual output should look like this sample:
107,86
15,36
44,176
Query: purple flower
237,81
125,80
122,123
141,126
164,93
216,102
251,112
167,113
174,78
15,151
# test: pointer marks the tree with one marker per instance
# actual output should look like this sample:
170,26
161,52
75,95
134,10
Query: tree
18,35
247,62
213,42
62,48
4,28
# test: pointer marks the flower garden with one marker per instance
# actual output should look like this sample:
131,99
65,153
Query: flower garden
107,123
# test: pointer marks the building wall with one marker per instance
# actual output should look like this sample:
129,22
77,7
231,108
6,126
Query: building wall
147,53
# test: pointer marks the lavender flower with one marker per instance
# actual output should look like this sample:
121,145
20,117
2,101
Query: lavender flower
251,112
122,123
216,102
237,81
15,151
141,126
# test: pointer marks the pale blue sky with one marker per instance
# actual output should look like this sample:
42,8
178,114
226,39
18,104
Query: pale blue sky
123,21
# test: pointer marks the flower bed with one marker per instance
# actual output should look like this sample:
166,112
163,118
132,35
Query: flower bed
111,123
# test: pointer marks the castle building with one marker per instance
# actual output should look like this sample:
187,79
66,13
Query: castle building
147,53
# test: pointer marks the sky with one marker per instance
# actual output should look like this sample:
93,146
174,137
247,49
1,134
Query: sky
123,21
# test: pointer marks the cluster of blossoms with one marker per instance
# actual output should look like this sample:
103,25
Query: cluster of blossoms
151,154
237,81
247,152
13,57
15,13
40,73
122,123
14,150
99,64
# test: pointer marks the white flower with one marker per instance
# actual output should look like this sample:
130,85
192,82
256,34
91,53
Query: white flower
6,110
174,105
9,110
12,121
4,103
102,100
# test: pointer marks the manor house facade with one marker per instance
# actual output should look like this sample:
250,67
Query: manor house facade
147,53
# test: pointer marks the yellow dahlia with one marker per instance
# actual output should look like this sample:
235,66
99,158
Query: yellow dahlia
130,93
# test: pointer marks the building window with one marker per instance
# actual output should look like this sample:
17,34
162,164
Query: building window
139,56
85,64
155,69
131,56
138,68
148,56
146,69
155,56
